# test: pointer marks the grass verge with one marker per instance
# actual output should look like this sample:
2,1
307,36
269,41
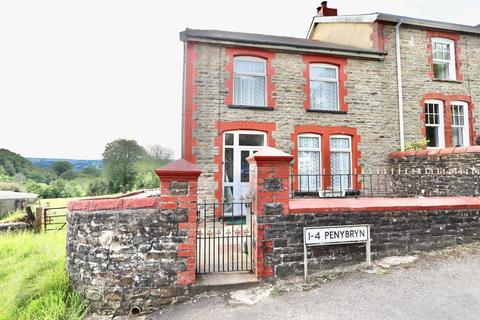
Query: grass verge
33,280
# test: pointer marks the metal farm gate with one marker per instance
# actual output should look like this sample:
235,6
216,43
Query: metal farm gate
224,237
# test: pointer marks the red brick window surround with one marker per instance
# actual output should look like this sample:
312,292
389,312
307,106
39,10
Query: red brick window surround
448,101
268,56
340,64
325,134
457,56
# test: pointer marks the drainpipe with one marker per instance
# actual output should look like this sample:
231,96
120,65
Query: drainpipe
400,86
183,97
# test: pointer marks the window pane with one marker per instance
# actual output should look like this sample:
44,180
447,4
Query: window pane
228,177
308,142
309,170
457,136
249,90
229,139
432,136
323,95
249,66
340,168
322,72
432,114
340,143
244,170
457,115
441,71
253,140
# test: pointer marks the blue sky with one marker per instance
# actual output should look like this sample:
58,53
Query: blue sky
75,75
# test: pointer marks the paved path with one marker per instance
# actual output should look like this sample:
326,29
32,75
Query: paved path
447,288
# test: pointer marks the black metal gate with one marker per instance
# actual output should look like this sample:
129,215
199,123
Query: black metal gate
224,237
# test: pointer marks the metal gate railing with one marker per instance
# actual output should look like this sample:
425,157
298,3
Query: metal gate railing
224,237
54,219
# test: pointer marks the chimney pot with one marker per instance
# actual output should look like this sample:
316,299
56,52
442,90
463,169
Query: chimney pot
325,11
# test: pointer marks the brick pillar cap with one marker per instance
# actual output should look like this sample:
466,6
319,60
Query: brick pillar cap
270,154
179,169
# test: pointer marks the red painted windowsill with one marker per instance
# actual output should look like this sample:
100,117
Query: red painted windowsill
325,205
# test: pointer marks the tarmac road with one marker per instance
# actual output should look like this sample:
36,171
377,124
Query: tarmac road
446,288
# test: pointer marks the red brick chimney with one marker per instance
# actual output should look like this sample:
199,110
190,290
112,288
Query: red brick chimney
324,11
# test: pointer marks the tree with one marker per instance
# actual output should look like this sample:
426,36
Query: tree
119,158
68,175
159,152
91,171
60,167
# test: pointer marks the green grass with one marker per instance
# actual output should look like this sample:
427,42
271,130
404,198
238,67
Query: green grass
13,217
33,280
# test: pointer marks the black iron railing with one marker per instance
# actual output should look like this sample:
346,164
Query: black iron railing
385,184
224,237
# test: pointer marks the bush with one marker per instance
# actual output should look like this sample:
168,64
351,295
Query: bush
91,171
33,281
10,186
416,145
97,187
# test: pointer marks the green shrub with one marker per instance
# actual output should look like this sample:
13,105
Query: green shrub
12,217
416,145
33,281
10,186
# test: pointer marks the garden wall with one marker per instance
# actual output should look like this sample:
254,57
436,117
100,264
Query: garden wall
393,233
127,258
450,171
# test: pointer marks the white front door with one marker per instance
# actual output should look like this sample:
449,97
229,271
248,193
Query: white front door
238,146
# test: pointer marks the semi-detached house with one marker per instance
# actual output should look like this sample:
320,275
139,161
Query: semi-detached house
357,88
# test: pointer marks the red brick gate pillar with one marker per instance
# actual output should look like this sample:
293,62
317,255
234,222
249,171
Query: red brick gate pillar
178,185
269,187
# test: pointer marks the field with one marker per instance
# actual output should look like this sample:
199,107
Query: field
33,280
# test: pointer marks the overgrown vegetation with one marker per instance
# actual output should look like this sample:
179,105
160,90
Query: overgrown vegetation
33,281
12,217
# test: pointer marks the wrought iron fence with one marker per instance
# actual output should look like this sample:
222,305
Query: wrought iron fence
392,183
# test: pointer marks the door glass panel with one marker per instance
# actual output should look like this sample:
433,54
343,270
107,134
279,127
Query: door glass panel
254,140
244,170
228,165
229,139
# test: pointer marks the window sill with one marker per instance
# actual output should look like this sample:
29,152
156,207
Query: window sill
327,111
235,106
445,80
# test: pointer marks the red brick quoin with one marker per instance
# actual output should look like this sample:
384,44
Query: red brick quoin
182,171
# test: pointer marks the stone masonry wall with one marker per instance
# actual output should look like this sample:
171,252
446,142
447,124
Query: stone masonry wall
369,86
393,233
127,258
372,98
446,172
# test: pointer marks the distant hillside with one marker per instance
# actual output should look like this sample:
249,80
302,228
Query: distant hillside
12,163
78,165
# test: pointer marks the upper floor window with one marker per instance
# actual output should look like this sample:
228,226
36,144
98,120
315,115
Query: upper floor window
443,56
324,87
459,124
434,124
250,81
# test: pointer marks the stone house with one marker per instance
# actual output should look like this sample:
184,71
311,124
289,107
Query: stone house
357,88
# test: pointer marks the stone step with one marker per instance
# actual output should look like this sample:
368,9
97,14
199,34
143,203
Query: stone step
224,281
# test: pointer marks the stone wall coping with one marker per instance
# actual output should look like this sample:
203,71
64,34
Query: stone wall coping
113,204
435,152
180,170
270,154
322,205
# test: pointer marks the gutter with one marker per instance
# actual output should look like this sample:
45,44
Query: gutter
400,85
351,53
